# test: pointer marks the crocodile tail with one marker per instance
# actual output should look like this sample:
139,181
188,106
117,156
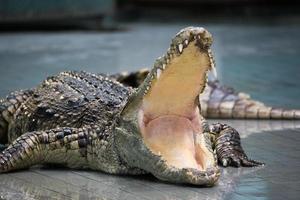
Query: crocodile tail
223,102
8,107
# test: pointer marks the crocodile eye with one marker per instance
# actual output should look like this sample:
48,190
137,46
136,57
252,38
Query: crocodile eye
44,110
73,102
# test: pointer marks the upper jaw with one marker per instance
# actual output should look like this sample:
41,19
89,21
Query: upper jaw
187,36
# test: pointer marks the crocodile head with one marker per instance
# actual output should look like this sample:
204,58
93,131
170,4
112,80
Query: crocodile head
160,129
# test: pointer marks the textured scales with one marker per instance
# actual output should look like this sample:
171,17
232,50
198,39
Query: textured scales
84,103
81,120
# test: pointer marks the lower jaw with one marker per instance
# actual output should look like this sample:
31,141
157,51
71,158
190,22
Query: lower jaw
187,175
173,137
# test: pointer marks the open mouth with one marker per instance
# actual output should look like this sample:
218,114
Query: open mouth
169,115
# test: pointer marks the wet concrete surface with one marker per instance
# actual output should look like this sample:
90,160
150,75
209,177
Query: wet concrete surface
262,60
278,179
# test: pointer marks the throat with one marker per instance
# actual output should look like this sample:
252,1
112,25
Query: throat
173,137
169,116
177,139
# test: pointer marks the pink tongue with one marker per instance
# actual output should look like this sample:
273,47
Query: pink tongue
173,138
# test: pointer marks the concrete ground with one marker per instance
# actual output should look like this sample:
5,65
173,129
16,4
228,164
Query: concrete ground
260,59
279,179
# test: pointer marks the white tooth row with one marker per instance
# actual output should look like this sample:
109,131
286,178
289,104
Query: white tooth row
158,73
212,63
159,70
167,60
186,42
180,48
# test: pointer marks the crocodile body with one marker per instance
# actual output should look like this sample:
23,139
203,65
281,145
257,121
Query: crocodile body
82,120
71,112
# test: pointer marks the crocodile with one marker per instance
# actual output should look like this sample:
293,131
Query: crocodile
91,121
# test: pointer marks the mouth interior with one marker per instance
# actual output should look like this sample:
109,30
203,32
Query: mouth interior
169,117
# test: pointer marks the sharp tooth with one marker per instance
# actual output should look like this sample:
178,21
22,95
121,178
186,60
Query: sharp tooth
186,42
164,66
214,71
158,73
147,89
180,47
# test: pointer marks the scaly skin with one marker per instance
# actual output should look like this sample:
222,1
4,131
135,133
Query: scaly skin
81,120
8,108
221,102
77,104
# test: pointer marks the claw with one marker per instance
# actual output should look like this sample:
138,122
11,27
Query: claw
251,163
225,162
229,149
240,161
236,162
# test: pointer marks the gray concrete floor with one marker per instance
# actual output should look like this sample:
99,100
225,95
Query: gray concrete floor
279,179
262,60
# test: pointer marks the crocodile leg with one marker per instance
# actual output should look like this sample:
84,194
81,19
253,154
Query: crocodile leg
65,146
8,107
227,143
